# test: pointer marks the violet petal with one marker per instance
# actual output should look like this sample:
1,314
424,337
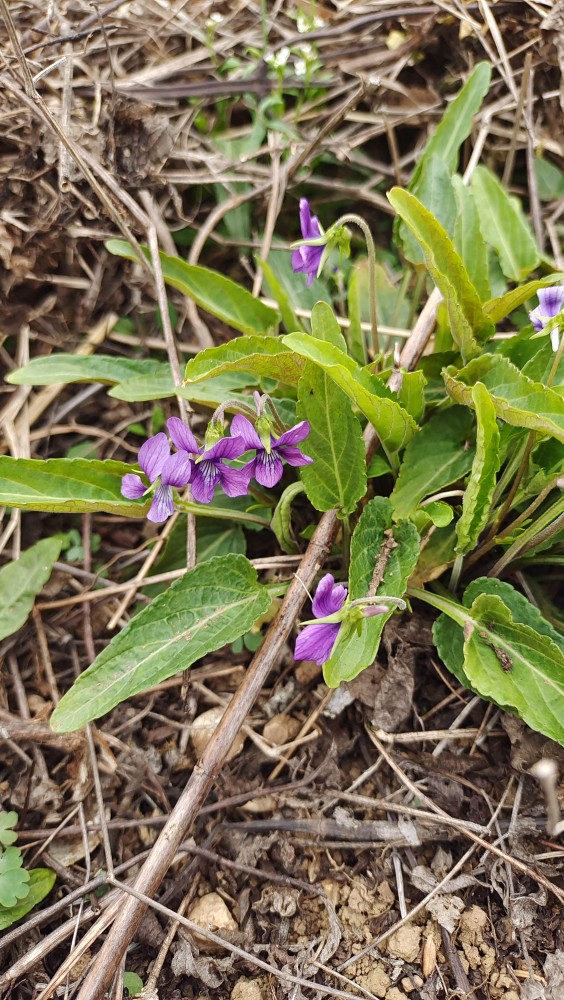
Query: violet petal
243,428
268,468
182,436
329,597
132,486
226,447
293,456
162,505
234,482
551,300
176,470
204,481
315,642
309,223
295,434
153,454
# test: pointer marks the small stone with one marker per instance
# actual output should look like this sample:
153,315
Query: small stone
247,989
203,728
281,729
405,943
211,913
377,981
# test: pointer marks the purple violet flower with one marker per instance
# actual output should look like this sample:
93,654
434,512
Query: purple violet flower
156,461
209,468
306,259
316,642
551,302
266,466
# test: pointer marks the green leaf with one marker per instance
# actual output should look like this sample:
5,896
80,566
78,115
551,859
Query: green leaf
467,318
411,394
337,477
20,583
478,495
468,239
77,368
515,610
215,293
324,326
357,296
394,425
132,983
440,156
259,355
357,651
7,819
41,881
515,667
437,457
71,485
456,123
517,400
504,226
212,604
281,519
550,180
13,878
438,512
498,309
434,190
213,538
378,466
210,394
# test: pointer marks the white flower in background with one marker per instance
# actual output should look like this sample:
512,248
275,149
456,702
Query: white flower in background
278,59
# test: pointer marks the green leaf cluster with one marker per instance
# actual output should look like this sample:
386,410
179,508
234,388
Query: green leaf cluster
20,890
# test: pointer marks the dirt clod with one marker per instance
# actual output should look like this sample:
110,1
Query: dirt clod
405,943
211,913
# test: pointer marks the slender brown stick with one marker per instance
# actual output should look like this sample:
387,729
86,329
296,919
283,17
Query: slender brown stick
207,769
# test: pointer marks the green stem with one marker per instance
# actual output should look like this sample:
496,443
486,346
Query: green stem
547,525
357,220
450,608
221,513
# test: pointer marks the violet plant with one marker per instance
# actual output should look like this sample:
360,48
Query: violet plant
458,515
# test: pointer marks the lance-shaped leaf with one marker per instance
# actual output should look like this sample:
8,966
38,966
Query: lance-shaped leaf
497,632
74,485
439,455
337,477
434,190
65,368
504,226
212,291
468,239
212,604
517,399
20,583
468,321
289,318
161,386
456,123
498,309
477,498
391,553
259,355
394,425
431,178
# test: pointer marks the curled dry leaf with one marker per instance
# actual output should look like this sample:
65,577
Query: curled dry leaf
203,728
